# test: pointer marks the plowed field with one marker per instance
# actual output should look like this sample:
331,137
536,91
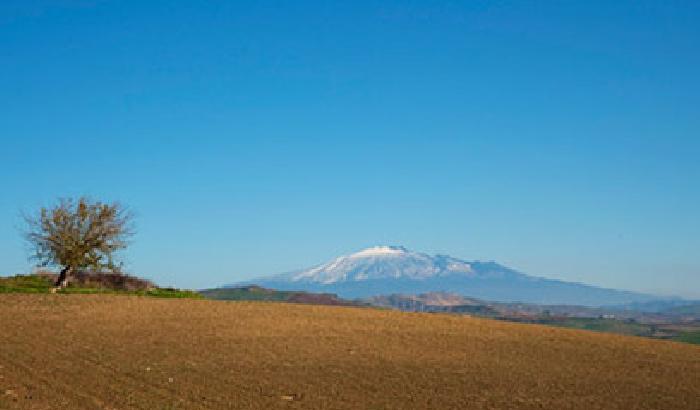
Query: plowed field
121,352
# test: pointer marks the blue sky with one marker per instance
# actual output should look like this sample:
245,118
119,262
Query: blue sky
559,138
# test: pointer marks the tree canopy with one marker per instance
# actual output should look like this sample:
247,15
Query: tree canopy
79,234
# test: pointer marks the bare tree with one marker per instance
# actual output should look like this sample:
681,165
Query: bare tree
78,234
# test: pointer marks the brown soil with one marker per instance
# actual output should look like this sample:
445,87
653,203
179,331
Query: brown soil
118,352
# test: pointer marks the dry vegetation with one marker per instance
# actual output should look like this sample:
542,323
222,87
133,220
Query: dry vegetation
97,351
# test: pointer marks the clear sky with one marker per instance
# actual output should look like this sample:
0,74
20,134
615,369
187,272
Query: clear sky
559,138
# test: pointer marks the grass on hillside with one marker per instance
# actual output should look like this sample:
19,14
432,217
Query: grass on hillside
688,334
25,284
602,325
41,284
248,293
689,337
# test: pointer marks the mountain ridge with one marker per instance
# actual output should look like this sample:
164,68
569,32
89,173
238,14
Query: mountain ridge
394,269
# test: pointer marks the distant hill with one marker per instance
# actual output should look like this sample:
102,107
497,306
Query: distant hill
659,306
258,293
691,310
435,302
680,323
385,270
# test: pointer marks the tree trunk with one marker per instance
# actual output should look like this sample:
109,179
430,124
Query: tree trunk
62,280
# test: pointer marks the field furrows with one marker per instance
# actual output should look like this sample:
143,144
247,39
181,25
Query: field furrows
92,351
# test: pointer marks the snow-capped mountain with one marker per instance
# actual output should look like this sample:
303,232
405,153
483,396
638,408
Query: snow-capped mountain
382,262
393,269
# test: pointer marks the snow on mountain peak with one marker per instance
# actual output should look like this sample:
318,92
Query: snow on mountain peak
379,251
382,262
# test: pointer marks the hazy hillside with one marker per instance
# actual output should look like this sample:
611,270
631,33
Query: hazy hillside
681,324
691,310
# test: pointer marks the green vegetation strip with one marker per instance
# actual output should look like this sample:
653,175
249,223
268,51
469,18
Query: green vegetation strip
248,293
689,337
39,284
